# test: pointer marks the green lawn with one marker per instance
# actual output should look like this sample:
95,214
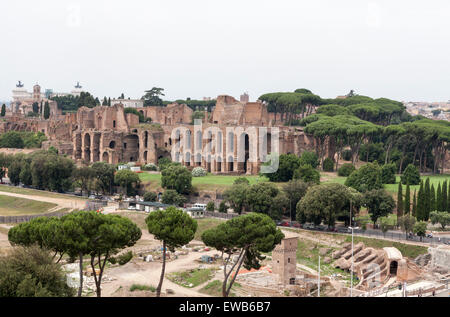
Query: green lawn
192,278
209,182
205,224
214,288
14,206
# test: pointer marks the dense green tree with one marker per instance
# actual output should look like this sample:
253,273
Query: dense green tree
295,190
250,235
307,174
105,101
223,208
400,204
210,206
411,175
388,173
406,223
324,203
420,228
104,176
440,217
260,199
11,139
236,196
14,170
366,178
177,177
3,111
31,272
152,97
379,203
171,197
310,158
288,163
83,176
174,228
128,181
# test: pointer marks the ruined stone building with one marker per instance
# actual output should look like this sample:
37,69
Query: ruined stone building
235,138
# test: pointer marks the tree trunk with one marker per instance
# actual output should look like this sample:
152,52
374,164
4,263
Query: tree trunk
80,289
158,289
241,260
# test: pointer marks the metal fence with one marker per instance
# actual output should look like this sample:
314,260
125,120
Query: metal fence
401,236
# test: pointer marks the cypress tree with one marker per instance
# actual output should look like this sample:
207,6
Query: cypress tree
414,206
105,102
427,197
444,196
407,200
400,200
420,202
433,198
439,198
109,102
3,112
46,110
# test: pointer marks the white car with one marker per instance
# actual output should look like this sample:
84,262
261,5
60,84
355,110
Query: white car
131,207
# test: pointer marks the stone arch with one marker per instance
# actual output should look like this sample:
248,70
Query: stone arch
105,157
230,162
78,147
145,156
145,139
393,266
188,140
131,148
198,159
187,158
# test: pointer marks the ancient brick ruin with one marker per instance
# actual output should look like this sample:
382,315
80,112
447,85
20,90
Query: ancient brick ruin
234,138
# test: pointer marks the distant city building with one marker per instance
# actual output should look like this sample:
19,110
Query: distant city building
129,103
245,97
431,110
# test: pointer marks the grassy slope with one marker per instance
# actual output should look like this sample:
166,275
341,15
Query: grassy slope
34,192
13,206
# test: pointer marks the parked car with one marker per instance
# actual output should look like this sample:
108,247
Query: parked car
285,224
131,207
332,229
296,225
429,235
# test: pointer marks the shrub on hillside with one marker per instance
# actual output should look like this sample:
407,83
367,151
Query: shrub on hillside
210,206
328,165
310,158
149,167
347,155
388,173
346,169
308,174
150,196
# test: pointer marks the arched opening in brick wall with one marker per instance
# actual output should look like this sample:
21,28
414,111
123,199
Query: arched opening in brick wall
78,147
393,268
87,147
145,139
145,156
96,148
187,159
198,159
105,157
230,164
131,148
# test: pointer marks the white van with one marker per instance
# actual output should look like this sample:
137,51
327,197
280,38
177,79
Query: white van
202,206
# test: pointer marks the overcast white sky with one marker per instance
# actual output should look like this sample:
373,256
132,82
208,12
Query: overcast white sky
194,48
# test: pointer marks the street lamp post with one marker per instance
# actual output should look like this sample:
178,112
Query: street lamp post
351,271
318,281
